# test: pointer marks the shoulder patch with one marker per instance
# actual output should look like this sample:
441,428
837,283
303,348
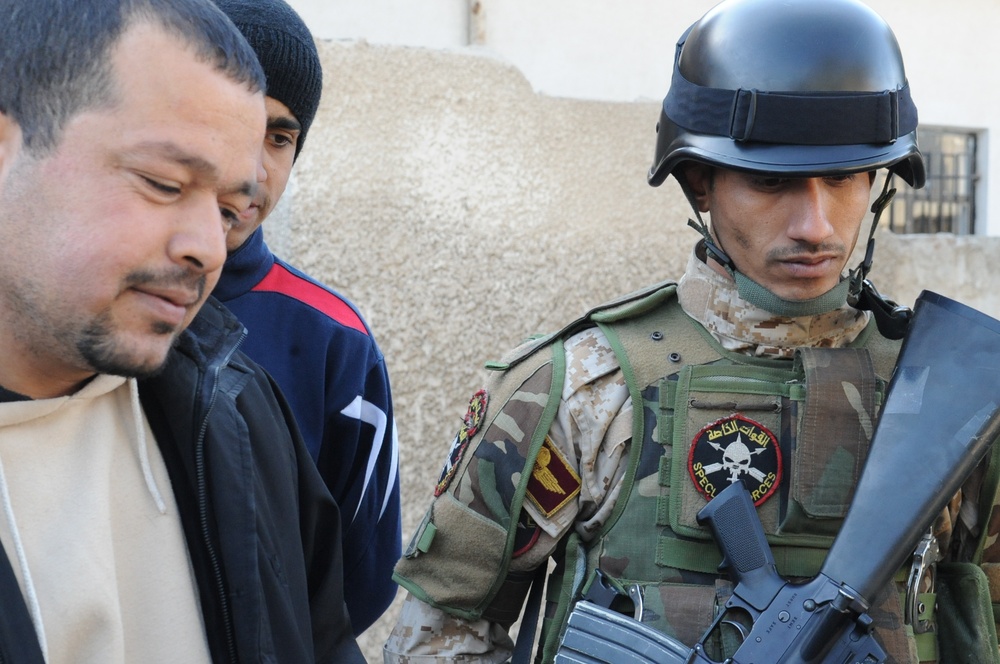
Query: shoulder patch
470,425
731,449
553,481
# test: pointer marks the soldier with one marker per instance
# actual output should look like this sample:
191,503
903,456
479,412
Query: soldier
766,363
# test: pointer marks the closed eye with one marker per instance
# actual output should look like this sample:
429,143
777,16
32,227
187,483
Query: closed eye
771,182
837,180
229,217
160,186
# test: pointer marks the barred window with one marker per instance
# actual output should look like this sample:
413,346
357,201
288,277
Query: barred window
947,203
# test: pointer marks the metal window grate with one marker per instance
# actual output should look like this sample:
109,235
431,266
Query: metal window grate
947,203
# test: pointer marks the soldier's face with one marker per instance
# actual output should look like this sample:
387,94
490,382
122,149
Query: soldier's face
791,235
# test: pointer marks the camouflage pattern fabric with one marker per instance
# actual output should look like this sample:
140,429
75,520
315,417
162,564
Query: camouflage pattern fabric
821,409
592,429
427,635
711,299
593,384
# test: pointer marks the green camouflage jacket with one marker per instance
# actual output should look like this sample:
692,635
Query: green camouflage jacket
546,466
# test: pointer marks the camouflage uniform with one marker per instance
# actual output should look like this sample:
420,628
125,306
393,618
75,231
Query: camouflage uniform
467,576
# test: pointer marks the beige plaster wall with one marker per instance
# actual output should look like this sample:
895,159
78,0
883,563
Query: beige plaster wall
462,212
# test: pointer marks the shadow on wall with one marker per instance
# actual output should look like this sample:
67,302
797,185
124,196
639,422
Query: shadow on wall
462,213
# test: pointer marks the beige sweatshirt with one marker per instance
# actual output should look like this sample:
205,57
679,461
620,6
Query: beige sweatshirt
91,528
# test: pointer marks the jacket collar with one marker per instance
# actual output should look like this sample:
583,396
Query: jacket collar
212,336
244,268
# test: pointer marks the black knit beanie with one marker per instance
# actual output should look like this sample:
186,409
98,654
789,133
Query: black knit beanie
287,53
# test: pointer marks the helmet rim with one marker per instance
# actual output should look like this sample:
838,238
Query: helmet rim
901,157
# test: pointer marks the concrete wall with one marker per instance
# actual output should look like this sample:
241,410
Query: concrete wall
462,211
622,51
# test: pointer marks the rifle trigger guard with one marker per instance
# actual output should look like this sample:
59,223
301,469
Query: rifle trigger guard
925,560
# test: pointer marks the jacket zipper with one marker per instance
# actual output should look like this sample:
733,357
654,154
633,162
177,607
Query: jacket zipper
213,556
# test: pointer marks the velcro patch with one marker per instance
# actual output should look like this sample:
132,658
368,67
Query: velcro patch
553,481
470,425
732,449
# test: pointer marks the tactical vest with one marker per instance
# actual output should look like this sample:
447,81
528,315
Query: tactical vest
701,414
796,432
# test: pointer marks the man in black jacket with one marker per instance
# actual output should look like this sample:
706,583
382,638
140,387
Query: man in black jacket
157,502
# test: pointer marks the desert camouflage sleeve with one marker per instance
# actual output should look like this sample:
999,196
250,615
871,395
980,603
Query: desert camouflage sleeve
590,437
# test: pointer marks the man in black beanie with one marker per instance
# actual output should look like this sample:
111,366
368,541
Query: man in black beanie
313,341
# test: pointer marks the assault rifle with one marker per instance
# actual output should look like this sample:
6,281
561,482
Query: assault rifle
941,413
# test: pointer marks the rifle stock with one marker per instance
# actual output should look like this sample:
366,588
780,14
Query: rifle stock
941,413
939,418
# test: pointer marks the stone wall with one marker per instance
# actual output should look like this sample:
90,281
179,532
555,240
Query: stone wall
463,212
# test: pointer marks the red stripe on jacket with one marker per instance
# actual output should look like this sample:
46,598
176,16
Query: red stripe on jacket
280,280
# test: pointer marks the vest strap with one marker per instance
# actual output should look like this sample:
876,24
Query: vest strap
705,557
927,642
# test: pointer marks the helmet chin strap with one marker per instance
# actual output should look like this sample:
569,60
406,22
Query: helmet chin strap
893,320
856,289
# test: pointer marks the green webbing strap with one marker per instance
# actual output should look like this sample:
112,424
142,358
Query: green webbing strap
573,571
704,557
926,642
927,646
760,296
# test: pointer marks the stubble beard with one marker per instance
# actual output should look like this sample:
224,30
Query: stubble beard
50,331
99,346
101,351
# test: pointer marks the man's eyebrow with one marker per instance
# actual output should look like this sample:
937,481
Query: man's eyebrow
201,167
284,122
173,152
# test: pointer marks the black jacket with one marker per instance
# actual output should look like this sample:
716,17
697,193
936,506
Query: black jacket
262,531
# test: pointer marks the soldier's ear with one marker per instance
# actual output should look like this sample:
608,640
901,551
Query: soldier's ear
698,178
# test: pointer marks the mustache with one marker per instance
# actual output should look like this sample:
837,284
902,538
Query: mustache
179,278
806,249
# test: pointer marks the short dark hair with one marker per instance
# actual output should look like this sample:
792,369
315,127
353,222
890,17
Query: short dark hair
56,55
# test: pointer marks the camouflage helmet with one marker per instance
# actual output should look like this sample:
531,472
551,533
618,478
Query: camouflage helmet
797,87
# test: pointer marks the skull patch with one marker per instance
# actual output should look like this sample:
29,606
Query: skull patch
732,449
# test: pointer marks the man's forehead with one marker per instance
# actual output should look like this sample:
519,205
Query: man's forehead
177,108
